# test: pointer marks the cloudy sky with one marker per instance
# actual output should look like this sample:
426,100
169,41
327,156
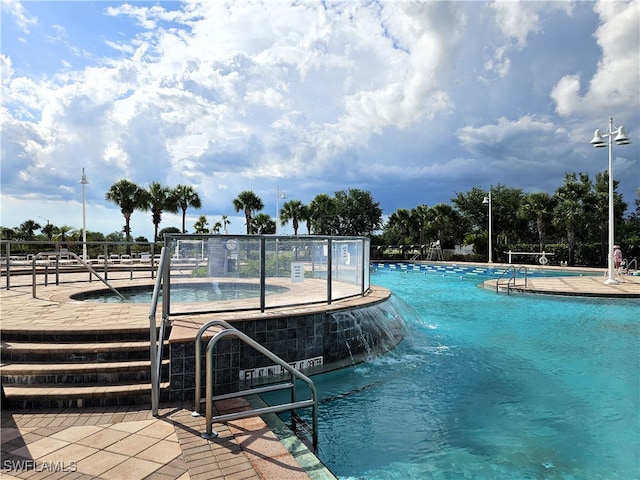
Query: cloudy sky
412,101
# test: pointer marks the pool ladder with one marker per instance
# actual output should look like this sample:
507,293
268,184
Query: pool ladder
511,275
228,331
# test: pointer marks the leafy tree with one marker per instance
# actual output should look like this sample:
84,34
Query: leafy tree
358,214
160,199
249,203
263,224
129,197
201,225
601,206
184,197
323,215
291,211
7,233
166,230
538,207
216,227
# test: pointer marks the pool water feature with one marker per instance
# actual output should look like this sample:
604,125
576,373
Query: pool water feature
183,293
489,386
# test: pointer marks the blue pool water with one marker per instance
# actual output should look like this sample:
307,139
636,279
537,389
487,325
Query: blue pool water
489,386
182,293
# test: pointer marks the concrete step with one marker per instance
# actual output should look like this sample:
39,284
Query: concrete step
80,395
25,352
66,373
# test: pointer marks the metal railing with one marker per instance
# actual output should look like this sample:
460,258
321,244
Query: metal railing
157,338
290,384
512,278
57,255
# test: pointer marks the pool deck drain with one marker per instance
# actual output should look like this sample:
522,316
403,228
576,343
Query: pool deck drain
130,443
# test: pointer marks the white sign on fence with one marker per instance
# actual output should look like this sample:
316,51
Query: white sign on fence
297,272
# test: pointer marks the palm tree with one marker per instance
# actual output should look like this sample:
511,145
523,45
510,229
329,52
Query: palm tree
225,222
291,210
28,228
572,209
538,207
305,216
160,198
201,225
249,203
185,196
129,197
263,224
50,230
63,231
216,227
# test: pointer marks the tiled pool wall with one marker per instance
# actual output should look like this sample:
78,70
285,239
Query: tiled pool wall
315,342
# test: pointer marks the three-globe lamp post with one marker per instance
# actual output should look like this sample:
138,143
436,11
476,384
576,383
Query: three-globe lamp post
598,141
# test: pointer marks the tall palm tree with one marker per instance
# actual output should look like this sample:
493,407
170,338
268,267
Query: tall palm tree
225,222
538,207
129,197
572,208
249,203
160,198
305,216
291,210
185,196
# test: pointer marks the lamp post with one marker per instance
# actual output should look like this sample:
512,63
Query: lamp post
279,195
598,141
84,183
487,201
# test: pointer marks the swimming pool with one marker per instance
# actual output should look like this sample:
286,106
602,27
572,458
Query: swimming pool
489,386
182,293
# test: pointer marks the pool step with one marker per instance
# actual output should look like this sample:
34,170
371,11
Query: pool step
74,352
66,373
79,395
75,369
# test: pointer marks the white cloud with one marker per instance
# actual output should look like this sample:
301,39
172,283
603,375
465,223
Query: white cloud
616,84
21,16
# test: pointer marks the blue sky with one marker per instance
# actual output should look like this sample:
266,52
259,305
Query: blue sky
412,101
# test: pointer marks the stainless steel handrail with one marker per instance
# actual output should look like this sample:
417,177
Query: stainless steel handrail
76,257
198,355
295,374
513,277
157,339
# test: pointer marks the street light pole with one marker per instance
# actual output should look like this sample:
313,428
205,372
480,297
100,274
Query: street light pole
597,141
279,195
84,183
487,201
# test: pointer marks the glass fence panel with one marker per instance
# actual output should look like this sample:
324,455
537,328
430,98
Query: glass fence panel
295,270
